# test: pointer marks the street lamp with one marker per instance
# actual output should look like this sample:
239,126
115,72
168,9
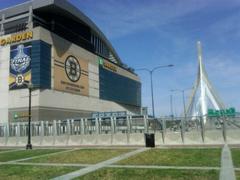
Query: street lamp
151,73
183,98
30,87
171,105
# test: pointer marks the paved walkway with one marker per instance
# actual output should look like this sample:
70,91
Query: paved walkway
227,169
119,166
95,167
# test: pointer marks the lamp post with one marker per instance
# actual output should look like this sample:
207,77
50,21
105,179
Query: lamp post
183,98
30,87
151,74
171,106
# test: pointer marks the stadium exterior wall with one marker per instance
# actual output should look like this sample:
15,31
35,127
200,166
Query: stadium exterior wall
49,101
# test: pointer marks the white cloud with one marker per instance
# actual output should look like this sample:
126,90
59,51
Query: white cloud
119,18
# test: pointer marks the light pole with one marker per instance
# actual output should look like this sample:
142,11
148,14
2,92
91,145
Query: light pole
151,74
171,106
30,87
183,98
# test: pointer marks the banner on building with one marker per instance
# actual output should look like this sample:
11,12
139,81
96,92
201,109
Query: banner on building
20,66
71,74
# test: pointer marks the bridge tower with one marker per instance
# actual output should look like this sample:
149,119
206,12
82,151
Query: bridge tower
203,94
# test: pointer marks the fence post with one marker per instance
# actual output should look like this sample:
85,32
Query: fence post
54,131
112,126
145,124
224,129
202,129
6,133
68,127
18,133
96,126
182,129
100,125
82,126
163,130
128,124
42,132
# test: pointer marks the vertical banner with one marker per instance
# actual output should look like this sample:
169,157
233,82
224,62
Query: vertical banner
20,66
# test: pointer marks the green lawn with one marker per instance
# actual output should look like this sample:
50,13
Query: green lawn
176,157
151,174
24,172
21,154
1,150
236,156
237,173
85,156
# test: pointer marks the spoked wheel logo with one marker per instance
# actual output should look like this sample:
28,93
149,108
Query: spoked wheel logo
72,68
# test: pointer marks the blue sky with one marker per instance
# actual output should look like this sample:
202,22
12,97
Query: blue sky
148,33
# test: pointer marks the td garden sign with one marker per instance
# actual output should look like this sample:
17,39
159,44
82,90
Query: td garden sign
15,38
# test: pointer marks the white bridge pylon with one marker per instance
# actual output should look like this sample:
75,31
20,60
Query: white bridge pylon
203,94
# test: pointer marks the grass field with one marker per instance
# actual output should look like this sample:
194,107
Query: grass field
10,172
15,155
4,150
166,157
143,174
176,157
237,173
236,156
82,156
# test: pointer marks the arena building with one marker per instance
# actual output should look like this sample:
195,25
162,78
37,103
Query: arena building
72,66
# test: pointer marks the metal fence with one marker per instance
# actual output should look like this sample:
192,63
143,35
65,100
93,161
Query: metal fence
172,129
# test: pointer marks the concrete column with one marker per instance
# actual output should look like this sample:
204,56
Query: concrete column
82,126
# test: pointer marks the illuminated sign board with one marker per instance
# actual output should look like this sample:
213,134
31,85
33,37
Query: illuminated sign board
231,112
109,114
14,38
107,65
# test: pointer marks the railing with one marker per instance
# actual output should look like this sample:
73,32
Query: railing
182,130
109,125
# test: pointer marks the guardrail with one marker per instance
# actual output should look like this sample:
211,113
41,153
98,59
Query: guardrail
128,130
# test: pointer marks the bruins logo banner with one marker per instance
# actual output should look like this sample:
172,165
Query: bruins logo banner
20,66
71,74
